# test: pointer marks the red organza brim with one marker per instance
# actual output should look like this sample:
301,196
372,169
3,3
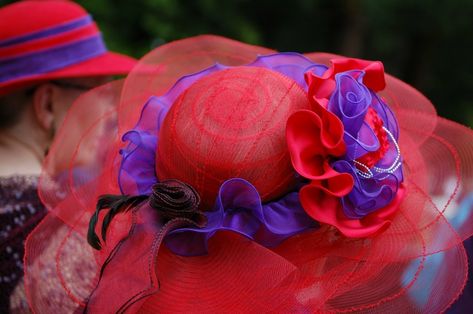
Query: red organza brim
314,271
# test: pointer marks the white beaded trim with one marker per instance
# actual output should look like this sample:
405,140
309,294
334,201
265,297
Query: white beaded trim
368,173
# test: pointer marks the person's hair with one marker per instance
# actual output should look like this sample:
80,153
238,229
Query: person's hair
13,105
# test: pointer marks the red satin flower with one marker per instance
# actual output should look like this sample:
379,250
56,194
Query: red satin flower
324,205
313,137
321,87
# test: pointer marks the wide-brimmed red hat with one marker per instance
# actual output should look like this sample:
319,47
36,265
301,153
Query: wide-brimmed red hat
52,39
221,177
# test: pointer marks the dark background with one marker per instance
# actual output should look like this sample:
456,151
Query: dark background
427,43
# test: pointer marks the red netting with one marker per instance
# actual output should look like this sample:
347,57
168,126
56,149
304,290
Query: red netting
319,271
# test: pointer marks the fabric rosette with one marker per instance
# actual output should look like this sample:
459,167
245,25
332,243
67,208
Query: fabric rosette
232,178
347,147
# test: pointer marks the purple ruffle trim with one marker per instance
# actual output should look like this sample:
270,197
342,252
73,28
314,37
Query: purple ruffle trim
238,208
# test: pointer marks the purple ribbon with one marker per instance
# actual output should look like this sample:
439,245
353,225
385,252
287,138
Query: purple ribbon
51,31
373,188
51,59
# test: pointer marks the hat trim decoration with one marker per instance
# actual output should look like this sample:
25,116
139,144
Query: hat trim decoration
339,179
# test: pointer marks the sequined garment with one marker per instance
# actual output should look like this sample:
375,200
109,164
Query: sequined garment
20,211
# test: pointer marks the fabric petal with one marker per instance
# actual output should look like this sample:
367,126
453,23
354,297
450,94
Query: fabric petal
310,139
321,204
350,101
374,77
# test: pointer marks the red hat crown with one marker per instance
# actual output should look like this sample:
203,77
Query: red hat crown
231,124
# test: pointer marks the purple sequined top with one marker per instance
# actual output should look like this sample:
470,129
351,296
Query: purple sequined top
20,211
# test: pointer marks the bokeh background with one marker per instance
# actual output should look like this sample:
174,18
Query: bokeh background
428,43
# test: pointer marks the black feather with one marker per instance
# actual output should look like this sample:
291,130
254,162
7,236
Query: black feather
121,206
117,204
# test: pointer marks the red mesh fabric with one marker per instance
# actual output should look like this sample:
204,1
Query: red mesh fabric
158,71
60,270
319,271
231,124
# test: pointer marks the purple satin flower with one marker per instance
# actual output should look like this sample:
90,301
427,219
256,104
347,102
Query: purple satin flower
376,186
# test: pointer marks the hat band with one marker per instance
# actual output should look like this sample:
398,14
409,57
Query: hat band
51,59
52,31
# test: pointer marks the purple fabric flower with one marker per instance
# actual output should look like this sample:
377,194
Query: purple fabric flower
376,186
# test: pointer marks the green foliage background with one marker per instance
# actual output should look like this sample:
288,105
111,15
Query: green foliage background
428,43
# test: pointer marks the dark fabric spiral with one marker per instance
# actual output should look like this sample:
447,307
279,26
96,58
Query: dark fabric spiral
171,198
175,199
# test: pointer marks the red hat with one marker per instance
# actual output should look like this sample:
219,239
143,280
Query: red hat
58,39
227,179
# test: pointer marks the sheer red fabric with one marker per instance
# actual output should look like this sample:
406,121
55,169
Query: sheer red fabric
317,271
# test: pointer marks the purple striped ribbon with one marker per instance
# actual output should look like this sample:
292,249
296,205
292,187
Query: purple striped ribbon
51,31
51,59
